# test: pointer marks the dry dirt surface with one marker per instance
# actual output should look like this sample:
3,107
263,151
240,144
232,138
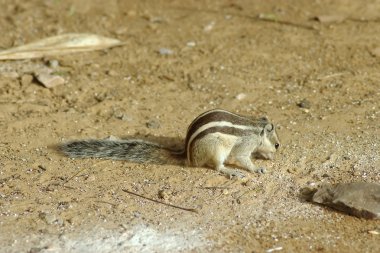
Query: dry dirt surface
317,80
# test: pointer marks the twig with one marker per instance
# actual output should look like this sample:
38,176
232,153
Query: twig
214,187
105,202
281,22
331,75
261,17
159,202
243,194
76,174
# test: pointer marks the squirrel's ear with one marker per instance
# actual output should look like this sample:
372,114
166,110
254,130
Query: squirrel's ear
267,129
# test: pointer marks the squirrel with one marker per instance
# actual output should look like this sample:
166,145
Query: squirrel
214,138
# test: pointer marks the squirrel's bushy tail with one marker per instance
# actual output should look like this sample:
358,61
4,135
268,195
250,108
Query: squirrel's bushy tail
130,150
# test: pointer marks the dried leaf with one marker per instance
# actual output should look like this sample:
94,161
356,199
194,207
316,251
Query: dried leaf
58,45
330,18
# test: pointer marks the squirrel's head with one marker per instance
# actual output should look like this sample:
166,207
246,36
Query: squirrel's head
269,142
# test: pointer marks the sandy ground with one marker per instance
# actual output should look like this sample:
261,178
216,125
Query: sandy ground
258,58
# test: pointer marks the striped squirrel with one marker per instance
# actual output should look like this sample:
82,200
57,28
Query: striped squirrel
213,139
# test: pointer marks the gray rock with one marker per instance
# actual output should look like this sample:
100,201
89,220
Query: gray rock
153,124
359,199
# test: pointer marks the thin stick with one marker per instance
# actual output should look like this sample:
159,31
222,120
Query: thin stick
105,202
76,174
214,187
159,202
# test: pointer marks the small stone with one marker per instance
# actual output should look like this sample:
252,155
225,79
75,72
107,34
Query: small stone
191,44
304,103
241,96
165,51
48,80
112,138
50,218
111,72
90,178
122,116
126,118
100,97
53,64
154,124
293,170
373,232
26,79
209,26
346,157
164,194
63,205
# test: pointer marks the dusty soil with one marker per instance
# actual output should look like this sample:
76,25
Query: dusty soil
250,57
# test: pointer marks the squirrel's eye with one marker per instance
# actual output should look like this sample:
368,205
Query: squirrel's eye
277,145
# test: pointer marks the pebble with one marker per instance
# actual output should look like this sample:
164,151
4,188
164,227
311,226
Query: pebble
153,124
164,194
191,44
304,103
50,218
241,96
293,170
90,178
48,80
165,51
225,191
209,26
111,72
53,64
126,118
122,116
112,138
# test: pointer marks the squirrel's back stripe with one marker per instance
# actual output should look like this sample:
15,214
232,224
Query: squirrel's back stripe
220,115
221,121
